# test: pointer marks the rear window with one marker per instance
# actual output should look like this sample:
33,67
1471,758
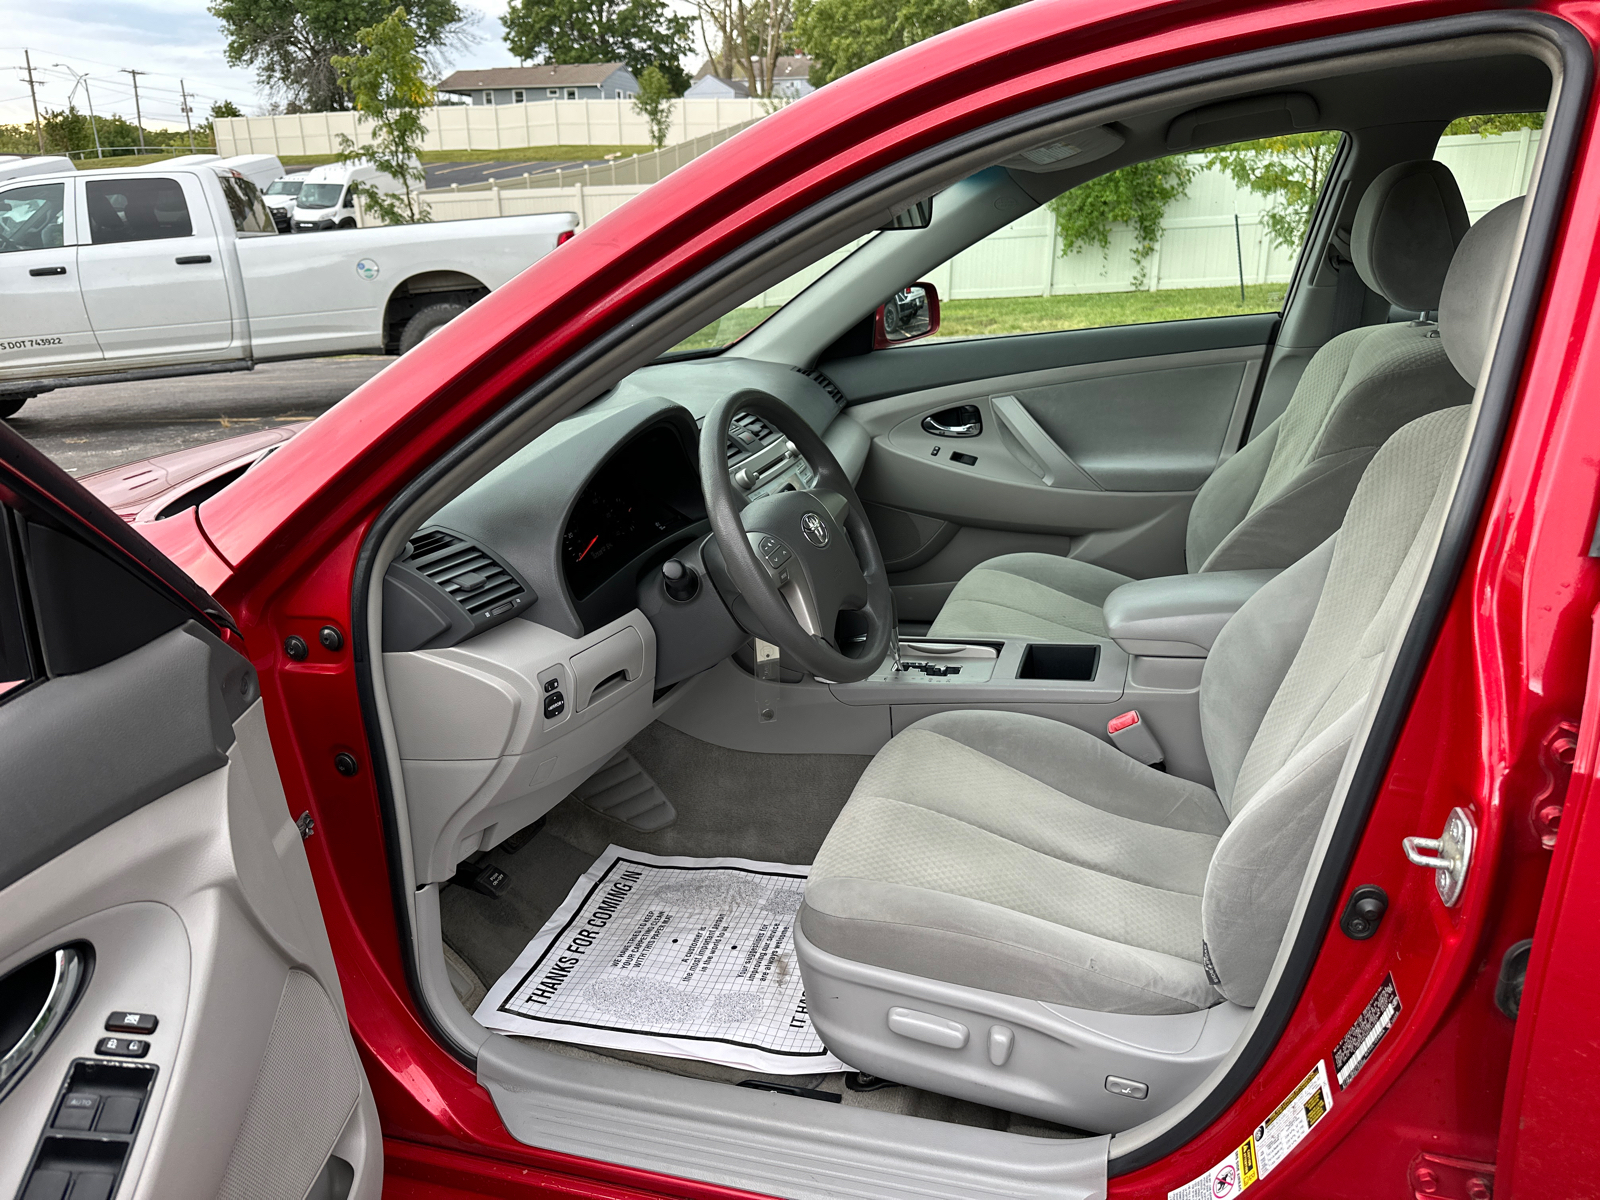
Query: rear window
136,210
249,211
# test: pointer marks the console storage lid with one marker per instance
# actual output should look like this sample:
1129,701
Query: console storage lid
1178,616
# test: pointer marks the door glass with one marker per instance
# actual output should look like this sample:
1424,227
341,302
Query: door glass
16,663
1209,234
136,210
30,217
249,211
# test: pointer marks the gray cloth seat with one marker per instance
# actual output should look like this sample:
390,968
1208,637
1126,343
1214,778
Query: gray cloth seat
1008,859
1286,491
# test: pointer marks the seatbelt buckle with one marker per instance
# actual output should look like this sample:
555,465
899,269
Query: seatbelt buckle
1132,736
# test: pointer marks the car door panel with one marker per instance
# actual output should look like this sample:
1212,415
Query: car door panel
147,827
1097,460
43,322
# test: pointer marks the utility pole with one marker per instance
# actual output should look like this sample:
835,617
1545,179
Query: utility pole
93,128
137,115
182,91
38,129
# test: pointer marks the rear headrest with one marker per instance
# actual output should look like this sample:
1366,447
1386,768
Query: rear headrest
1472,289
1407,227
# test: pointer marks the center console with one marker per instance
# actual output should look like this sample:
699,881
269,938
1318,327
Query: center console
1160,633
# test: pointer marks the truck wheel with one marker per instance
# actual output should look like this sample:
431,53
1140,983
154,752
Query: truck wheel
348,223
428,322
12,404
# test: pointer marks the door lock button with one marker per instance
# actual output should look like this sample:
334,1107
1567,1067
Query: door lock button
131,1022
116,1047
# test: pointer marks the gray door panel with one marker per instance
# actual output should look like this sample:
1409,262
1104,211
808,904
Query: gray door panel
1098,461
943,361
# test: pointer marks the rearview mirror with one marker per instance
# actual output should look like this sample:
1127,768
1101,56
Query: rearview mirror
911,313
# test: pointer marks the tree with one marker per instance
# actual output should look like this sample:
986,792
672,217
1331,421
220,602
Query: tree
842,35
745,38
654,103
388,88
292,43
1136,196
225,108
1492,123
1288,170
638,33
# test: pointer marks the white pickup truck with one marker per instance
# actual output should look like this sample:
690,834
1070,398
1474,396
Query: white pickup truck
115,275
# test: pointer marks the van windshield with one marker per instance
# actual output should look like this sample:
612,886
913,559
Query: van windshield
285,187
318,195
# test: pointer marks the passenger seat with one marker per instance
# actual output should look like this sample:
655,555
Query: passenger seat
1286,492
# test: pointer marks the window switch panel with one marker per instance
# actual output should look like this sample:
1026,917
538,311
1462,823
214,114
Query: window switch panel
121,1047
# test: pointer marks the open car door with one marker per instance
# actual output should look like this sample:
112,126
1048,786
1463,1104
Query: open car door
171,1022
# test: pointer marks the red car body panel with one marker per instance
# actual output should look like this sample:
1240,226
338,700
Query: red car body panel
138,491
1504,686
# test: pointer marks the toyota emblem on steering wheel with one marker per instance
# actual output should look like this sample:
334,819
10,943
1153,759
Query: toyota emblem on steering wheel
815,529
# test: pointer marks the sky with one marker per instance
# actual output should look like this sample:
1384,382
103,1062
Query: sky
171,40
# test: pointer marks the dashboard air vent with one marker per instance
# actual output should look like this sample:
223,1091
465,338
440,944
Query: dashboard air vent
471,577
824,383
747,433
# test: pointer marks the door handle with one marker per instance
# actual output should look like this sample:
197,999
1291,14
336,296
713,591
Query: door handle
1448,855
188,260
38,271
70,967
963,421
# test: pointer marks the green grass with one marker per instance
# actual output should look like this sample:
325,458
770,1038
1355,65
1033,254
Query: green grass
519,154
1043,314
1039,314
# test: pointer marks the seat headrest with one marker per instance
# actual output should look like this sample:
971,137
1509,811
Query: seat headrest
1407,227
1472,288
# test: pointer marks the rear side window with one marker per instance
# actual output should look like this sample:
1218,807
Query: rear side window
248,210
30,217
137,210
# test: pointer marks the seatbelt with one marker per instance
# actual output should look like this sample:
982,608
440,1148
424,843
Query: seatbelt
1350,292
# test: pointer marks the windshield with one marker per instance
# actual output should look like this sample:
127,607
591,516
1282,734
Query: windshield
318,195
732,326
285,187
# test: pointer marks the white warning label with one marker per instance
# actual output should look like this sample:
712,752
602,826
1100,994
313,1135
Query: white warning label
1271,1143
687,957
1376,1019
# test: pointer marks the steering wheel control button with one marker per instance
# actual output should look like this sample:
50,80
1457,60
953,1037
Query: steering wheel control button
77,1111
131,1022
119,1047
1131,1088
554,705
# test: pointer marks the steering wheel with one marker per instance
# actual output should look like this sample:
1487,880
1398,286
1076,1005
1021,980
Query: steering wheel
797,558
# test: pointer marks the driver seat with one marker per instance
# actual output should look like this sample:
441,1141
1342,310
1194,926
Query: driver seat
1009,910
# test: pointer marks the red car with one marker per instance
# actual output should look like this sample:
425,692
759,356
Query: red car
154,489
686,731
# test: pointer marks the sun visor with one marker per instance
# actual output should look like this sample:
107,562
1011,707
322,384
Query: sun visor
1069,150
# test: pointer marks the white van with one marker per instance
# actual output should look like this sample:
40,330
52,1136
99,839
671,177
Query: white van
325,200
280,196
17,166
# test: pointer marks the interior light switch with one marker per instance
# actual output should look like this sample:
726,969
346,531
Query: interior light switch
131,1022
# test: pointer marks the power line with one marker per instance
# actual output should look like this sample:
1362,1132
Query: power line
138,117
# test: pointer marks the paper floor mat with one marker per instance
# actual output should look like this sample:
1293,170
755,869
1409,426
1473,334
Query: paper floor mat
685,957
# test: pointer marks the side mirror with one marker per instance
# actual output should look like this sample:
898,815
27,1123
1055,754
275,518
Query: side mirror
911,313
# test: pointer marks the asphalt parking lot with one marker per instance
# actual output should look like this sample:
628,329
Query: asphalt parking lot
86,429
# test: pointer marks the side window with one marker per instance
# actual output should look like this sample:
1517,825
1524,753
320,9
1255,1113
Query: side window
31,217
1492,157
17,661
1209,234
136,210
249,211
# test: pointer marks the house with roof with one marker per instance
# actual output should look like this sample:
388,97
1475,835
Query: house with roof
790,78
525,85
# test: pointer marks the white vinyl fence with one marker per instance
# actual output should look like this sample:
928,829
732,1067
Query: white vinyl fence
495,126
1199,246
